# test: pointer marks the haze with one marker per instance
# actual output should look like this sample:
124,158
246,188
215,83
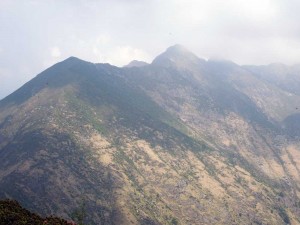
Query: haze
36,34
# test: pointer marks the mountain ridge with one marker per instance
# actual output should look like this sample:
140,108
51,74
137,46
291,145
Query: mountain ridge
174,142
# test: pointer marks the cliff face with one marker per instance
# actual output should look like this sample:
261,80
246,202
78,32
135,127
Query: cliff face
179,141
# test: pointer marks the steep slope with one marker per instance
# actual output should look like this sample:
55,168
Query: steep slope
180,141
71,139
285,77
233,109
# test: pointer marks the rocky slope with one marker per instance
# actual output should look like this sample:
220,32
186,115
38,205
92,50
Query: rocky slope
179,141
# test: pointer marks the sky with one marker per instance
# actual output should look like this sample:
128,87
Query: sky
35,34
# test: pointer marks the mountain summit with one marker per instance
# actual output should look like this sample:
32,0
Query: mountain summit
136,63
179,141
178,56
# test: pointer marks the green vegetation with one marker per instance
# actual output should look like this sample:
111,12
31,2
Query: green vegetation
283,214
79,214
11,213
174,221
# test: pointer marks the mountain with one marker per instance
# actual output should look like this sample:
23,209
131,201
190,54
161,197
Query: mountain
136,63
179,141
285,77
177,56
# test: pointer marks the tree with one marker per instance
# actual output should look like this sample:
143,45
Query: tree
79,214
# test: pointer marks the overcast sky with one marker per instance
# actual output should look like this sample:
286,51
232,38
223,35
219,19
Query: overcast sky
34,34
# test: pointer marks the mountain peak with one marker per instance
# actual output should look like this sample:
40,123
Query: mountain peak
136,63
177,49
177,55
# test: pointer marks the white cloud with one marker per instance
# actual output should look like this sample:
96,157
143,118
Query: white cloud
122,55
55,52
118,31
103,39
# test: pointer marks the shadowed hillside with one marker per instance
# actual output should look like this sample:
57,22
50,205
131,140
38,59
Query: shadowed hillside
11,213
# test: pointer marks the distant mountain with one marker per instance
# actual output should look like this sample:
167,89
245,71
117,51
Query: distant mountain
136,63
179,141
